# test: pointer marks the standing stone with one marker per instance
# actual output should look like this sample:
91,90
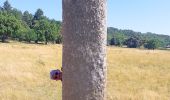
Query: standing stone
84,50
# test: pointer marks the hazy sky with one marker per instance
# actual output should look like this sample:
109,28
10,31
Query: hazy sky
138,15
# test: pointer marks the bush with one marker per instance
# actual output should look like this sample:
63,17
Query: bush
133,42
152,44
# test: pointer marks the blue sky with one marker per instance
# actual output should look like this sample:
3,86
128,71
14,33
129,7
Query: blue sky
138,15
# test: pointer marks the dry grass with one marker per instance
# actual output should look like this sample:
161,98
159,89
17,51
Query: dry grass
25,72
138,74
132,74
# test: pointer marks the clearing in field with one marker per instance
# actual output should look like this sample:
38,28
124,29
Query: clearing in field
133,74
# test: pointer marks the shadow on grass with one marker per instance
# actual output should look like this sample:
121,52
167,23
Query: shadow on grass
4,42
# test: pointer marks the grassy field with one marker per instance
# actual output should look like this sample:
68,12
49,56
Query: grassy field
132,74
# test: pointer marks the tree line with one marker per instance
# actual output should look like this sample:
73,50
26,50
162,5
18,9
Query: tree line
37,28
134,39
27,27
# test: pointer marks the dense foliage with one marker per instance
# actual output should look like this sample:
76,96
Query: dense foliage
152,44
28,27
133,39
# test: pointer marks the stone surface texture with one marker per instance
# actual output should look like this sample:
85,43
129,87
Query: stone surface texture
84,50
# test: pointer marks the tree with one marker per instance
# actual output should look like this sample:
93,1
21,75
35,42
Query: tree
38,14
9,24
7,6
117,39
17,13
58,39
1,9
152,44
133,42
84,49
54,29
42,27
30,35
22,32
2,28
27,17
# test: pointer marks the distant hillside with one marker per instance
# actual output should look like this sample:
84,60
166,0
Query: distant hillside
164,39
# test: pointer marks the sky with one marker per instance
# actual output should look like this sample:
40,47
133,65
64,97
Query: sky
138,15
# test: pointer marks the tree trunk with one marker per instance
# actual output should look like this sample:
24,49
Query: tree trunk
3,38
46,41
84,50
36,41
